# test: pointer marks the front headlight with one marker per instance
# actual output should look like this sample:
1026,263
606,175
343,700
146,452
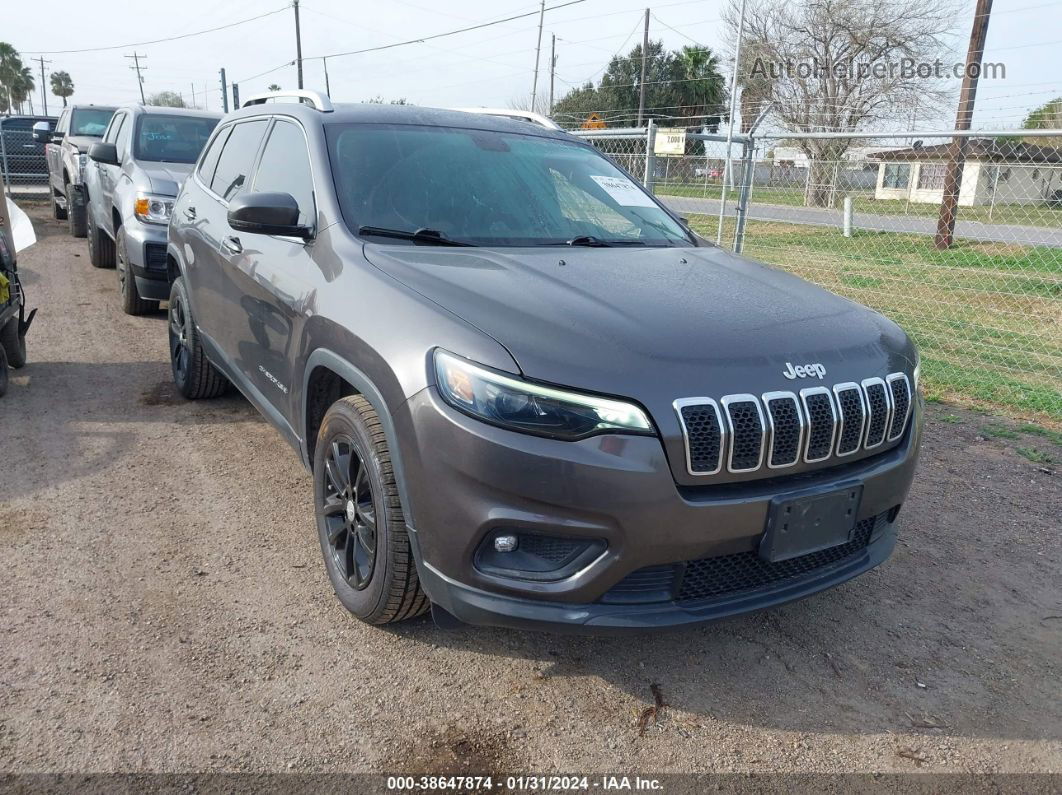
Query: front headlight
153,209
523,406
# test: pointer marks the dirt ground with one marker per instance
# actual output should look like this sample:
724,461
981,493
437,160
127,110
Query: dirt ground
165,608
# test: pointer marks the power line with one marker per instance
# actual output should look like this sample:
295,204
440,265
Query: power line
158,41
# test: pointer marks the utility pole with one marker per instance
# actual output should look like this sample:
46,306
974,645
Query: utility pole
552,69
139,77
224,93
641,82
235,96
44,93
298,41
538,50
328,88
963,118
730,126
193,96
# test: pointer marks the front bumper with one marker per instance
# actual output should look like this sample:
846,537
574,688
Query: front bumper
146,250
464,480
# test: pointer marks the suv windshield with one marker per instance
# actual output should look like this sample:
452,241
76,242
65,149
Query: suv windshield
90,121
172,139
489,188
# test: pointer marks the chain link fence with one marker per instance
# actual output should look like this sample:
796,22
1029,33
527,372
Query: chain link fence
858,215
22,160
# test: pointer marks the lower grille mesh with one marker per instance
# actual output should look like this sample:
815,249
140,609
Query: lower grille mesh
745,571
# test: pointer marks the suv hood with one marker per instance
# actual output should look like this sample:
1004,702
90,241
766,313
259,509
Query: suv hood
167,178
653,324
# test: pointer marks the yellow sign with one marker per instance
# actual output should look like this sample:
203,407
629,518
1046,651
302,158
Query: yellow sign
594,122
670,141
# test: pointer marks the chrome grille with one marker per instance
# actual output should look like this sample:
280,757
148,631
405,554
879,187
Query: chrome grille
852,416
822,423
900,393
786,425
878,408
779,429
745,423
703,429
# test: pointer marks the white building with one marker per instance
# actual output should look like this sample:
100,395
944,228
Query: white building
994,173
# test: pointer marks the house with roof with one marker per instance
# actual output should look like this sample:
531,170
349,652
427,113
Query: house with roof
994,173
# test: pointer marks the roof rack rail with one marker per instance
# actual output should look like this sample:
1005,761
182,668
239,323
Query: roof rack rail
313,98
508,113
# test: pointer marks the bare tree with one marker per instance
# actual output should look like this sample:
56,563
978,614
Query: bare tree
839,66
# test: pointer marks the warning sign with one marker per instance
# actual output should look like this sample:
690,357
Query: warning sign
670,141
593,122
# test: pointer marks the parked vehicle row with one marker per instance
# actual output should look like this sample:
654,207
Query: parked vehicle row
528,393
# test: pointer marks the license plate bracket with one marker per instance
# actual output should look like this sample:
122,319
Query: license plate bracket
801,525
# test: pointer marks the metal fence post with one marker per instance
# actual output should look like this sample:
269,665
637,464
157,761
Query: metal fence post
650,156
748,154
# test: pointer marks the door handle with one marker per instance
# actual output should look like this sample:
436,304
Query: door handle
231,245
189,213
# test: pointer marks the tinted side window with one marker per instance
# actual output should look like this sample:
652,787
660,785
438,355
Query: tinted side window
210,160
234,165
285,168
124,136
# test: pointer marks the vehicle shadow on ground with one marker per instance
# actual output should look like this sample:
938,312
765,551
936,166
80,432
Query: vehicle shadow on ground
89,409
911,647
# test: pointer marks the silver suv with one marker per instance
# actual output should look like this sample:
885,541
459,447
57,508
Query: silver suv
133,178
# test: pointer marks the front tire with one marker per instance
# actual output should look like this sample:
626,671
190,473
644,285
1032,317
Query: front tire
196,378
132,303
75,211
13,343
360,523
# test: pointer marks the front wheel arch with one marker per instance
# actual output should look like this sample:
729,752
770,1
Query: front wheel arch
324,365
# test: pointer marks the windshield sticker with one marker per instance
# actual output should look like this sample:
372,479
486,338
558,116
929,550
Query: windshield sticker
624,192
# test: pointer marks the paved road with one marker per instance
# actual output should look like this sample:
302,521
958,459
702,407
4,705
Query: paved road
164,607
911,224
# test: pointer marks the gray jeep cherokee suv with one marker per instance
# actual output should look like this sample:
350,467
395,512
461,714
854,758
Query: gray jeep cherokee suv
528,394
132,178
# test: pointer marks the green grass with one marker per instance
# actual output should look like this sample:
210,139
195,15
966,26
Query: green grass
1034,455
998,432
951,419
1053,436
1038,214
986,316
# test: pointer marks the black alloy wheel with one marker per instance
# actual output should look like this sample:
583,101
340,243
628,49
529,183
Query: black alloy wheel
349,511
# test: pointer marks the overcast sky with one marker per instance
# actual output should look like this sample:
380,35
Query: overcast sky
488,67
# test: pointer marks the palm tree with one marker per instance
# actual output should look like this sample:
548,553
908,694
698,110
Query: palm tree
10,66
62,85
273,87
701,89
22,86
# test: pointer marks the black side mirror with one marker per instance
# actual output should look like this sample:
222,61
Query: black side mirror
104,153
267,214
42,133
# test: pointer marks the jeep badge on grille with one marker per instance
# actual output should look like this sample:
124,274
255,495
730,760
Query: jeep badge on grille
804,371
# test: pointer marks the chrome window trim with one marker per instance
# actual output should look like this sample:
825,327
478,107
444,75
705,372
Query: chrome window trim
725,402
818,390
866,382
767,397
680,404
889,380
837,390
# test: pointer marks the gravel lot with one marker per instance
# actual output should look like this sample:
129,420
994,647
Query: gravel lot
164,607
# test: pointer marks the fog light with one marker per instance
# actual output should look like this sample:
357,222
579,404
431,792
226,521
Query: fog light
504,543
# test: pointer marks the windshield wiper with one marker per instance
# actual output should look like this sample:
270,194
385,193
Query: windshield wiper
588,240
431,237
